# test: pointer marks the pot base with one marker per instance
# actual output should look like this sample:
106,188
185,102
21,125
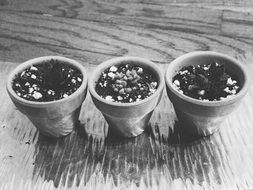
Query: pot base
127,127
198,126
56,127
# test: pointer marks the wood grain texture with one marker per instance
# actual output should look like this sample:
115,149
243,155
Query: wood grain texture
158,158
92,31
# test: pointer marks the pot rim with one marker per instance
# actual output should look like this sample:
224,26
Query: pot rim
117,61
225,101
38,60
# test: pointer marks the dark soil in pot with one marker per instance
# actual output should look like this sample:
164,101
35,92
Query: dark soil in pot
48,81
210,82
126,83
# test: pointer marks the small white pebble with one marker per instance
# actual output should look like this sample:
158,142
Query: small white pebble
112,75
139,96
109,98
37,95
183,72
154,84
17,85
229,81
229,96
233,91
73,81
176,82
36,88
27,84
205,68
236,87
33,68
79,79
22,74
33,76
18,94
119,98
65,95
201,92
226,90
130,99
140,71
30,90
51,92
113,69
137,100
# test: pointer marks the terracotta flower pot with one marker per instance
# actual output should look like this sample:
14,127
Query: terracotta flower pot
127,119
54,118
202,118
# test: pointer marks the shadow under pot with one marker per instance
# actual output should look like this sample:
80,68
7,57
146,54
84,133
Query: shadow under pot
49,91
126,90
204,88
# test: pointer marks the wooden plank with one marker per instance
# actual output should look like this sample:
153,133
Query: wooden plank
86,158
101,30
94,31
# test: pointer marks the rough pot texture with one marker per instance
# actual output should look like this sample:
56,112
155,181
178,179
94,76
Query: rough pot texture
54,118
197,117
127,119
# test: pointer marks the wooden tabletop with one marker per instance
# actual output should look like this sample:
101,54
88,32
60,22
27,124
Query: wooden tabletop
92,31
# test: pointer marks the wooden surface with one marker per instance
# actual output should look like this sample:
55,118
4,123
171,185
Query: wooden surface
93,31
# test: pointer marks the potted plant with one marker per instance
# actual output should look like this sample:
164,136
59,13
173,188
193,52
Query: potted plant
126,90
204,88
49,91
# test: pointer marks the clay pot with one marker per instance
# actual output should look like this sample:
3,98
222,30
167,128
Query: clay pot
197,117
54,118
126,119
